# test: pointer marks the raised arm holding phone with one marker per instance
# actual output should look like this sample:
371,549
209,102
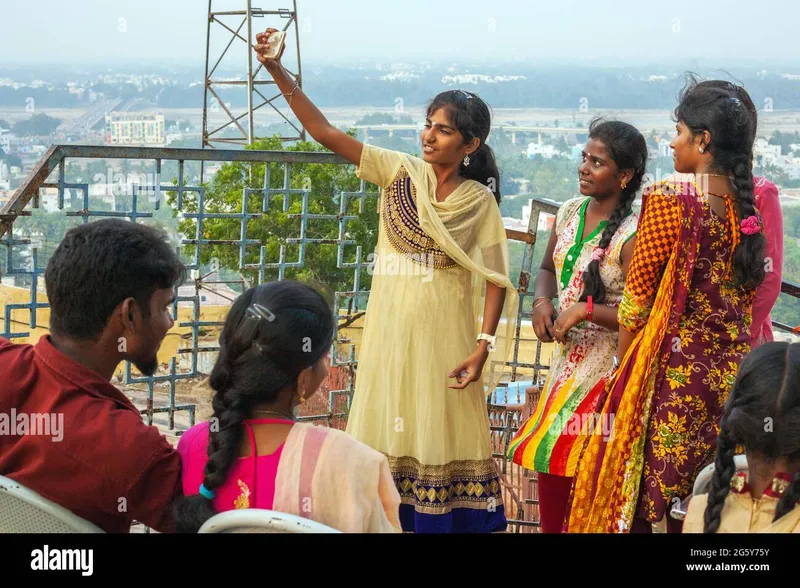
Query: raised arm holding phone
309,115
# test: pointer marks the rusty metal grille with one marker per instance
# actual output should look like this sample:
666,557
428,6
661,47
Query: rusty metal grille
162,186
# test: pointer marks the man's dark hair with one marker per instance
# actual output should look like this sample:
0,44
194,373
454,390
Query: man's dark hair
100,264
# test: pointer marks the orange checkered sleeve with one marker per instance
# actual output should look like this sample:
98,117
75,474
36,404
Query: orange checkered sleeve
655,237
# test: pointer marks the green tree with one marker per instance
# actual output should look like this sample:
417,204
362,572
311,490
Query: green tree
554,179
791,222
39,125
784,139
279,228
787,308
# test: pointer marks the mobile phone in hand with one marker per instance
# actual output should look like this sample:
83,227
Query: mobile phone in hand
276,42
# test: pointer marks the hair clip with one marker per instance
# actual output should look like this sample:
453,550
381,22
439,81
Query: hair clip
258,312
467,94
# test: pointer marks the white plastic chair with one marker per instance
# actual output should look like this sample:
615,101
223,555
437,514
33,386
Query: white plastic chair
702,483
24,511
256,520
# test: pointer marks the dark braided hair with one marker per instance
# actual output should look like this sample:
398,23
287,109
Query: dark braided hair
763,414
272,333
724,470
742,94
473,118
628,148
719,109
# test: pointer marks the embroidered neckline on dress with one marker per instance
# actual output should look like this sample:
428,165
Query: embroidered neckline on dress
574,252
780,482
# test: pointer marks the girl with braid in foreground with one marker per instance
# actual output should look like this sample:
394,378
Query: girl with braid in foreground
763,414
685,321
584,267
252,453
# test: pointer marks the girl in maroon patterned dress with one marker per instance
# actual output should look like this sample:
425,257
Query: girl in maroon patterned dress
685,324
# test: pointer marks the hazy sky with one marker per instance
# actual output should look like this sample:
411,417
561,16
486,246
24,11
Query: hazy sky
605,32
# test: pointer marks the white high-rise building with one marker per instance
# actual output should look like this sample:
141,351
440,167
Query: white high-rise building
130,128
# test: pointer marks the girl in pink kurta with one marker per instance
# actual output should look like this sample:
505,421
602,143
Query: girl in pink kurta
252,453
251,480
768,204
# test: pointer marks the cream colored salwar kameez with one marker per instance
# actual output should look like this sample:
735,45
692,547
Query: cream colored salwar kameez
423,316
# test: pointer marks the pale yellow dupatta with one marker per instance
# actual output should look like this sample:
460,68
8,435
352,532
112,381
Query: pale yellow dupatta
468,227
329,477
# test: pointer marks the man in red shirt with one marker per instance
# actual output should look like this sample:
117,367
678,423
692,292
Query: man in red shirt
65,431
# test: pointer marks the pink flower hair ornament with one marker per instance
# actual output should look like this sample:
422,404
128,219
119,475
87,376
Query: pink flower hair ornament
750,225
597,254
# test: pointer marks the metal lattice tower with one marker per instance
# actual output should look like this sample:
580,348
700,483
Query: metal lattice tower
259,93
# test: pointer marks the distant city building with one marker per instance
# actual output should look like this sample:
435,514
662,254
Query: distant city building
791,166
5,197
766,153
546,151
212,290
123,128
5,176
5,139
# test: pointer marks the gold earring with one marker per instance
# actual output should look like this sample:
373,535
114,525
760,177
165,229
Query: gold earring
302,396
624,183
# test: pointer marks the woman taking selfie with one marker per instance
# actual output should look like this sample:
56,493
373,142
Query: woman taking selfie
441,312
684,324
584,265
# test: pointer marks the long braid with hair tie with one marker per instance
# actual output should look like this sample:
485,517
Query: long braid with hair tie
224,442
748,259
791,495
593,282
724,470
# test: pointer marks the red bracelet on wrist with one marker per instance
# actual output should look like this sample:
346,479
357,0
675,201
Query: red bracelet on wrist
589,309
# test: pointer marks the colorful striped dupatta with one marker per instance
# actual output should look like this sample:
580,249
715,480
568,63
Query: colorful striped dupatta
605,492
